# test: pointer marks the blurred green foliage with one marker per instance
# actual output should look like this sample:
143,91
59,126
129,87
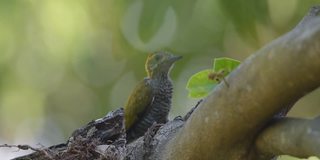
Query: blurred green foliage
64,63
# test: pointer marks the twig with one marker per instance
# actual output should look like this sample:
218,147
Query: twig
186,117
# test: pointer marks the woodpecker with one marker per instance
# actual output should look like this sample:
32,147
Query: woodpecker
150,101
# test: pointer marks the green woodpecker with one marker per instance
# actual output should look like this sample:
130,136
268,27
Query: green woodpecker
150,101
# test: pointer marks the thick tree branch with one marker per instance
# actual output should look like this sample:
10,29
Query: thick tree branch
292,136
313,12
227,122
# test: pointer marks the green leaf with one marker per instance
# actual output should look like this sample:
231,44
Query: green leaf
199,85
225,64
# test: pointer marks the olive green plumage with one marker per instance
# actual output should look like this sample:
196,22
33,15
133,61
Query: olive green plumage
150,101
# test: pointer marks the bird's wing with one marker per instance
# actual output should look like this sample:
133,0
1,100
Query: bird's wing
139,100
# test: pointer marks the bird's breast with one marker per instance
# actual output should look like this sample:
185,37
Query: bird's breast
162,101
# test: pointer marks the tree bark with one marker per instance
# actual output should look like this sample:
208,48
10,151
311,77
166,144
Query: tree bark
292,136
227,123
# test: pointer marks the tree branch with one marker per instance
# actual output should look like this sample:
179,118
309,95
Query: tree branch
103,138
291,136
229,119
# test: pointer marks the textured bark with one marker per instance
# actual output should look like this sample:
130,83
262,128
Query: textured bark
236,122
103,138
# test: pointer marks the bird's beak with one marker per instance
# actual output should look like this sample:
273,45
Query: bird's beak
175,58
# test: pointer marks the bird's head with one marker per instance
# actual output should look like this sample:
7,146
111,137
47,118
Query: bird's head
160,63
